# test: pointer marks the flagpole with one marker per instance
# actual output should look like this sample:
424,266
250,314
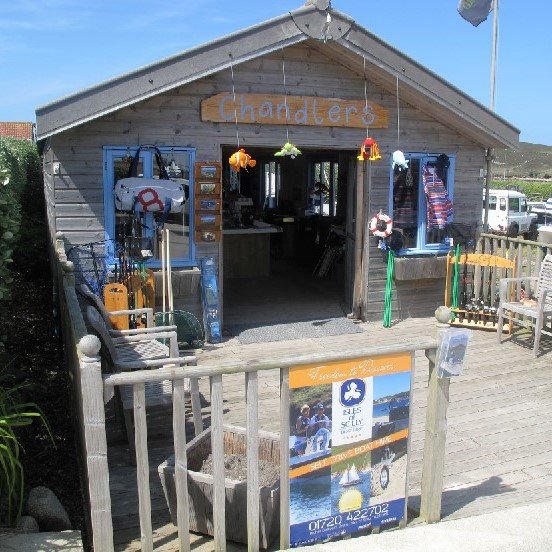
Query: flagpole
489,154
494,54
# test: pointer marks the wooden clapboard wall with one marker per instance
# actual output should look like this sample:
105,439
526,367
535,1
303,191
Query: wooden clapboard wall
173,118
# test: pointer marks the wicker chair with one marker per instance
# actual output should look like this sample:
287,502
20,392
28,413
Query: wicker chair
534,315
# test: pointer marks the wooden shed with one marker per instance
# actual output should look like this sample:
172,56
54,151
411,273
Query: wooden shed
312,77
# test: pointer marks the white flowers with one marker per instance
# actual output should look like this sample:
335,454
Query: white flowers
4,177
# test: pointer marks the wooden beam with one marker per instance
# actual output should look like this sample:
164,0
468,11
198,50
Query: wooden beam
142,466
359,228
181,464
252,423
217,450
284,458
255,365
435,437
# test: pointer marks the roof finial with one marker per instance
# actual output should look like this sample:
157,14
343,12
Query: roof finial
319,4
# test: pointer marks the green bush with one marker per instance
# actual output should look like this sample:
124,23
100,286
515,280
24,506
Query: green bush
19,174
533,190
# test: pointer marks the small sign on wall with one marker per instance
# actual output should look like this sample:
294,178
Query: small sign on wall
207,203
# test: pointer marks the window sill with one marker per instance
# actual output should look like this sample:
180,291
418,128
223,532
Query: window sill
422,252
420,268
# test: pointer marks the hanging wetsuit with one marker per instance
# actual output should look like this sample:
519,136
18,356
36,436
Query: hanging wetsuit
439,206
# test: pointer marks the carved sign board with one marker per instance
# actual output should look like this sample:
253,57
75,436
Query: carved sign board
275,109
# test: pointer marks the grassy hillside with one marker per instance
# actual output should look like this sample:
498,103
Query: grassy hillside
529,169
529,161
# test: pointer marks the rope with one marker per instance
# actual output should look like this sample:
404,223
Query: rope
365,92
455,281
398,116
388,290
235,108
285,94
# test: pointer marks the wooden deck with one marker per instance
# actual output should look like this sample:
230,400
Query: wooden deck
499,448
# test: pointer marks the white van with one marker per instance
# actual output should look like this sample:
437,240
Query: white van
508,214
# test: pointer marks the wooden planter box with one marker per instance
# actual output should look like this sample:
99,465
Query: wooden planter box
200,487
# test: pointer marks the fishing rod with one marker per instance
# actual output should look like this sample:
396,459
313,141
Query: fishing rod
480,303
464,300
471,307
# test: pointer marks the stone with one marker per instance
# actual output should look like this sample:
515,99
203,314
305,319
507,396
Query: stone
27,524
46,508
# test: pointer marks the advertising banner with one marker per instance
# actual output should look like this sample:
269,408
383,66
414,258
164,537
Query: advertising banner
349,423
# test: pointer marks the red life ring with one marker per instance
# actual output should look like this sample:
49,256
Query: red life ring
154,199
381,225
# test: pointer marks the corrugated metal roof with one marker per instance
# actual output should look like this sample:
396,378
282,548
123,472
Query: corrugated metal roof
21,131
423,88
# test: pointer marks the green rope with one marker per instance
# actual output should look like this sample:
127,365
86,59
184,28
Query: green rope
455,282
388,290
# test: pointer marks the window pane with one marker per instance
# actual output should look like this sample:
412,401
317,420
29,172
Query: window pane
177,165
127,234
513,204
437,202
323,189
523,205
405,202
136,234
271,184
492,203
503,204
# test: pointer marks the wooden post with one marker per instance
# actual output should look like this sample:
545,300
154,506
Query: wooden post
252,405
217,450
95,442
196,403
436,430
359,224
142,466
365,264
181,464
284,458
196,406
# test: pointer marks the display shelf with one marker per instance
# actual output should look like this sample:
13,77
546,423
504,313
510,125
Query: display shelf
485,268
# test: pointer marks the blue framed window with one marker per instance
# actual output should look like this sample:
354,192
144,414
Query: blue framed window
124,230
408,204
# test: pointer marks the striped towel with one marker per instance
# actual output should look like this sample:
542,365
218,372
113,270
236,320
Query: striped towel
439,206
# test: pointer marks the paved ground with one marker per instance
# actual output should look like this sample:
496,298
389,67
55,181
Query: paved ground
66,541
522,529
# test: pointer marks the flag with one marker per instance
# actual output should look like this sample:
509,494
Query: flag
475,11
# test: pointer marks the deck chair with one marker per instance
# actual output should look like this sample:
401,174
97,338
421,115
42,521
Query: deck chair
125,348
134,352
535,314
96,302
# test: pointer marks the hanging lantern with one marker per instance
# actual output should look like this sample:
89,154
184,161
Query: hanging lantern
369,150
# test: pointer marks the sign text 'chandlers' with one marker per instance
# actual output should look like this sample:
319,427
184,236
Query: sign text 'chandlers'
276,109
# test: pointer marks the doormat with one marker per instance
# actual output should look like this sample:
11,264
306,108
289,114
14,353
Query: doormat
250,333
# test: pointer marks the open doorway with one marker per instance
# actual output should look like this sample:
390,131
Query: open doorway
285,227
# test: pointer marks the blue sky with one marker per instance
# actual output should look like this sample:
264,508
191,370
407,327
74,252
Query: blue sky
51,48
391,384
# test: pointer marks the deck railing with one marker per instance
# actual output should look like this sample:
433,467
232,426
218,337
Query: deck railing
91,387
